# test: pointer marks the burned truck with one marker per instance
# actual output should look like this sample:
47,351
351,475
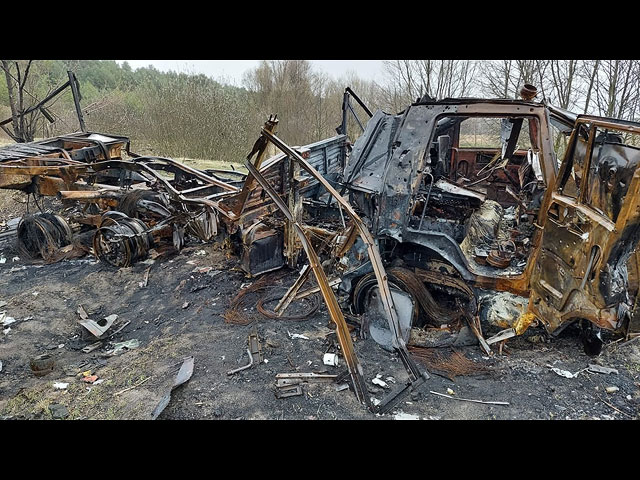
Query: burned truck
471,192
416,224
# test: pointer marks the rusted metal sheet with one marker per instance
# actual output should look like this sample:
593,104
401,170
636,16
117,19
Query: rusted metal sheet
591,224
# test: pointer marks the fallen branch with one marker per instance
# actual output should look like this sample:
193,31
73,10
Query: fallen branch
619,411
132,387
469,400
120,329
629,341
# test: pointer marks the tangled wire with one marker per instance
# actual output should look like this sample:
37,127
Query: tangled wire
234,313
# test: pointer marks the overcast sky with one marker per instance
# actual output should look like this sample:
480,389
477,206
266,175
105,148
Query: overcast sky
232,70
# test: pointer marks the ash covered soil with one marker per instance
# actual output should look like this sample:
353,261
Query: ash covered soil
179,313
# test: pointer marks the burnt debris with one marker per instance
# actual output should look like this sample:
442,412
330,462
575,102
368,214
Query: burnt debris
409,230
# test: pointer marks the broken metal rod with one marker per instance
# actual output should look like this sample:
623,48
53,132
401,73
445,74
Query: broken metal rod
231,372
501,336
132,387
469,400
311,291
337,317
308,376
293,290
376,261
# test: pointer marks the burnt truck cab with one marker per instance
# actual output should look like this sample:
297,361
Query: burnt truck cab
461,188
440,177
586,266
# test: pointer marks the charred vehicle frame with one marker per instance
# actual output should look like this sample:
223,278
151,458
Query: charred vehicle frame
411,221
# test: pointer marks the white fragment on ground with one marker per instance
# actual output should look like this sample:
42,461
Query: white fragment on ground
564,373
375,401
628,396
15,259
378,381
3,259
4,320
60,385
35,294
99,381
450,392
297,335
330,359
61,345
202,270
0,365
6,330
201,252
612,389
390,380
600,369
405,416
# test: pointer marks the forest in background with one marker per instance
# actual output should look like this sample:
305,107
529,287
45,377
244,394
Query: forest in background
192,115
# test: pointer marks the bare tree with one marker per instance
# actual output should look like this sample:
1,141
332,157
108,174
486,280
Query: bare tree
589,73
23,124
497,78
616,88
411,79
563,76
285,87
505,78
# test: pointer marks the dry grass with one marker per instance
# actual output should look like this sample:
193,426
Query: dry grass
213,164
84,401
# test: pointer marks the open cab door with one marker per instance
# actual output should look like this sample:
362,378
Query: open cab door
591,226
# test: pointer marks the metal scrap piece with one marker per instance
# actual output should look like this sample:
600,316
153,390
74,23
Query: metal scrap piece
249,365
501,336
94,327
92,347
319,377
600,369
291,391
184,374
254,351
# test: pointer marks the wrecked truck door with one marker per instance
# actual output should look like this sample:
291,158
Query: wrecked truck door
591,225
